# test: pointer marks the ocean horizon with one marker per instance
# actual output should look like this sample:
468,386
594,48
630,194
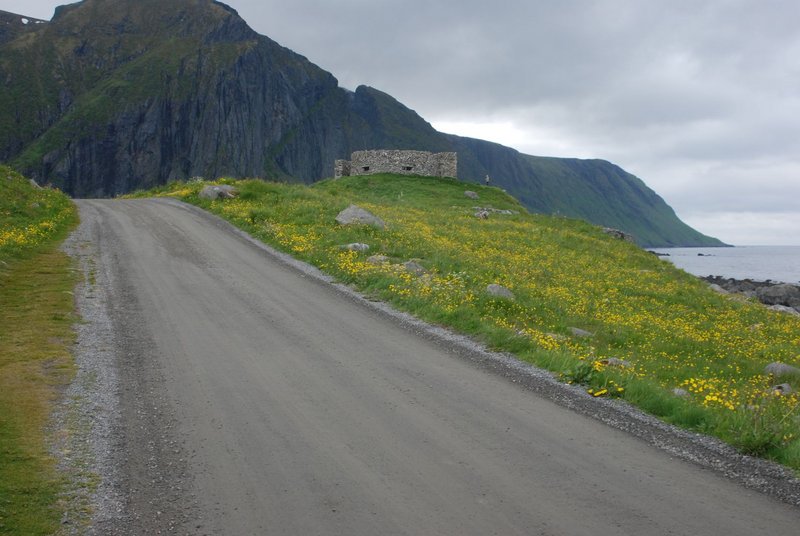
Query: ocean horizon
759,263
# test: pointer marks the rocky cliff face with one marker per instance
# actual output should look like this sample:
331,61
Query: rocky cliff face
115,95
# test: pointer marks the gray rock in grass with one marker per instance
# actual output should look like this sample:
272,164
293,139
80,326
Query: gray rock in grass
355,215
499,291
356,246
221,191
578,332
779,369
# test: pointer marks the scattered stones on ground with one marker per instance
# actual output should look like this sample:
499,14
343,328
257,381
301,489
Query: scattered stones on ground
355,215
482,215
471,194
378,259
779,369
414,267
356,246
619,235
499,291
578,332
221,191
681,393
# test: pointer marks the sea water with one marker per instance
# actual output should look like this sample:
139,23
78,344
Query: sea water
760,263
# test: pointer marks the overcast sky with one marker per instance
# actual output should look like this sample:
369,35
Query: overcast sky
701,100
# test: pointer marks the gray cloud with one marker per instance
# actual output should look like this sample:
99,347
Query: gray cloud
699,99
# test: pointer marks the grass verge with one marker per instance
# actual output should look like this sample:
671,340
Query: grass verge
36,318
599,311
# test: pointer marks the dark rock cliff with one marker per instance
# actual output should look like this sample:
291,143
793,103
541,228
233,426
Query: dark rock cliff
116,95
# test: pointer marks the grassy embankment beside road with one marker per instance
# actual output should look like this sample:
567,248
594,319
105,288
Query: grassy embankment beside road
36,318
654,328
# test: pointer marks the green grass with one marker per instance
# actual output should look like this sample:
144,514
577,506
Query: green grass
36,334
667,327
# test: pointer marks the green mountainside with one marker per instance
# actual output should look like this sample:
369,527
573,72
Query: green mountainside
115,95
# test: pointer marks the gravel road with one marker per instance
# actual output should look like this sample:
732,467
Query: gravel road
250,396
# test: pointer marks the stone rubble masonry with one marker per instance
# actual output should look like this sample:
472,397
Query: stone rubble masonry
401,162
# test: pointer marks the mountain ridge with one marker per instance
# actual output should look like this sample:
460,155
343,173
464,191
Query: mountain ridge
115,95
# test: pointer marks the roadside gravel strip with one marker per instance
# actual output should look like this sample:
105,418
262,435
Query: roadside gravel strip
112,434
286,428
85,425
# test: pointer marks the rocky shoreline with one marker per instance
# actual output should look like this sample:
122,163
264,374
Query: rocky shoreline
783,297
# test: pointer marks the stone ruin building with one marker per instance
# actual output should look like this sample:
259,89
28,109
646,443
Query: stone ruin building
402,162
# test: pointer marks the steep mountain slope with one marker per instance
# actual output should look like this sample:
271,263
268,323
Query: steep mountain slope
115,95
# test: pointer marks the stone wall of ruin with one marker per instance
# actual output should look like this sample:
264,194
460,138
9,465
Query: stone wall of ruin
401,162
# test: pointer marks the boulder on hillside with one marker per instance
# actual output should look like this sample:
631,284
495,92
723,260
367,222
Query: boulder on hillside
615,362
355,215
221,191
578,332
717,288
779,369
356,246
471,194
619,235
499,291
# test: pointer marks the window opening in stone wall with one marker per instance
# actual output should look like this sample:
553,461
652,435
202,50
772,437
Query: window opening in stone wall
365,168
407,168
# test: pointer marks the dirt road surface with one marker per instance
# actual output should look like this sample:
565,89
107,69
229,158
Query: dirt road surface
256,399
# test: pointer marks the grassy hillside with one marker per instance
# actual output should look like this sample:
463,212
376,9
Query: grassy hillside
35,338
652,328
